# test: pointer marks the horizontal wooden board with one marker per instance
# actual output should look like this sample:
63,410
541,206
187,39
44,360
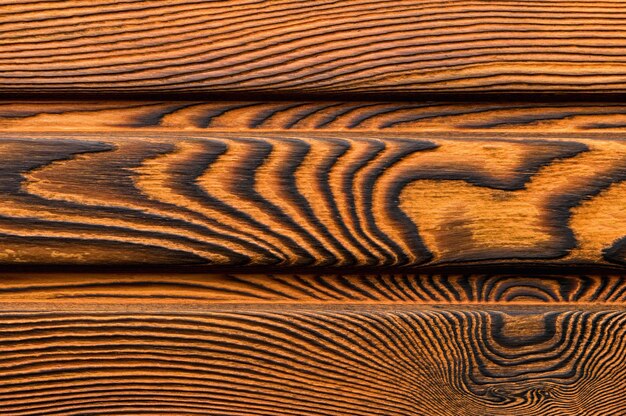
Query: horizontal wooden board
301,184
412,361
284,344
536,118
153,291
310,199
329,46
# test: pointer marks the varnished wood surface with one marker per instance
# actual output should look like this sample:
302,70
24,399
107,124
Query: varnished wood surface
309,361
501,117
397,344
310,199
312,46
251,344
312,257
152,291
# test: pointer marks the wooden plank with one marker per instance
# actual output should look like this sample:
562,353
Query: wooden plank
143,291
536,118
310,361
327,46
252,344
311,185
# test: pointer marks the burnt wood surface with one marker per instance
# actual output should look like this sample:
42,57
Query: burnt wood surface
233,344
303,47
151,291
295,208
303,185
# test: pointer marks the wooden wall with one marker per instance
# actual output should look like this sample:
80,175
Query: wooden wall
296,207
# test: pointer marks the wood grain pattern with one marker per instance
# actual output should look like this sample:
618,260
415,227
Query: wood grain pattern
299,361
536,118
152,291
252,344
312,257
324,46
307,199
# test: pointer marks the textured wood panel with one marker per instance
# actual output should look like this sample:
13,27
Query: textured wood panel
310,199
536,118
149,291
312,46
312,257
190,344
298,361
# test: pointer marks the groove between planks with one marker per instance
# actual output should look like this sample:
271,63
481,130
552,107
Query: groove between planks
309,46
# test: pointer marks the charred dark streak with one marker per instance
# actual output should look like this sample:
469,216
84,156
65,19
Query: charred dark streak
184,182
263,116
411,236
257,155
340,148
299,150
155,117
204,121
303,114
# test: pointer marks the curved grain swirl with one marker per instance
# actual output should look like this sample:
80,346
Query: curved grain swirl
529,117
305,200
306,184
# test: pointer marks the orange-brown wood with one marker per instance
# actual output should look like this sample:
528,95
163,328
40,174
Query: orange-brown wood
499,118
298,360
303,185
153,291
312,46
226,208
429,192
155,343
